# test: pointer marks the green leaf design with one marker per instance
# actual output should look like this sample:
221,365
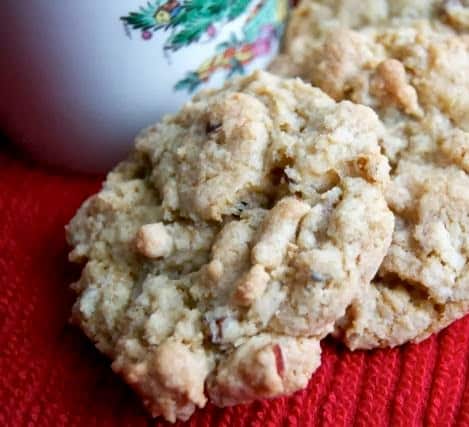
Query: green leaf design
191,21
237,8
144,19
210,8
188,20
191,33
190,83
194,20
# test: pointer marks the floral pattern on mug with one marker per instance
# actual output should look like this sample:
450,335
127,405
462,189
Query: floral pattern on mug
191,21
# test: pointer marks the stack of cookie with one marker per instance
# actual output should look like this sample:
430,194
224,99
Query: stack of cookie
275,211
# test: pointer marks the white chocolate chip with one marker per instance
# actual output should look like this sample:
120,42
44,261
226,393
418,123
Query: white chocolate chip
154,241
251,286
215,269
279,229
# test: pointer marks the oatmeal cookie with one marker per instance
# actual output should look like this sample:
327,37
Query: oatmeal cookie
312,19
414,76
230,243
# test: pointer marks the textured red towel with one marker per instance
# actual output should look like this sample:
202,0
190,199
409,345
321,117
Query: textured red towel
50,375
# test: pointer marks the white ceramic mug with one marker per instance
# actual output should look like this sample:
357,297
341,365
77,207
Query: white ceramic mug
79,78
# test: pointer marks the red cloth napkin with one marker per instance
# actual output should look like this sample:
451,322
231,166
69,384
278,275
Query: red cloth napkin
50,375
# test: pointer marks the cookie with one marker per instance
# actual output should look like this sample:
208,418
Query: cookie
423,282
315,18
412,75
412,78
230,242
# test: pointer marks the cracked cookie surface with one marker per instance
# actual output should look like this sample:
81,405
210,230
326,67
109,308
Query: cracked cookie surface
423,282
230,243
411,69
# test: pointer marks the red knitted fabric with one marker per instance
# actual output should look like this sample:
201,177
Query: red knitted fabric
50,375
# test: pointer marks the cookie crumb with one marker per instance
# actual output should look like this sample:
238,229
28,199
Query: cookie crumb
154,241
251,286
